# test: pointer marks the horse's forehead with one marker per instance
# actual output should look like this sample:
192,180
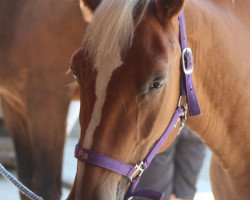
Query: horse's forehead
153,39
152,51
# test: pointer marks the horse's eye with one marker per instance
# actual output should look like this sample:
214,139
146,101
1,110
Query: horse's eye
157,83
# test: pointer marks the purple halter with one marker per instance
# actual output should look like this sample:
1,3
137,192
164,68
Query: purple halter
133,173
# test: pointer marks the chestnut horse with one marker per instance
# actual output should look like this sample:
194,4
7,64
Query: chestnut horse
37,39
128,70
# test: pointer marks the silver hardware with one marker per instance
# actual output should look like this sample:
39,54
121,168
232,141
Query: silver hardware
183,115
134,198
179,102
74,76
138,171
184,66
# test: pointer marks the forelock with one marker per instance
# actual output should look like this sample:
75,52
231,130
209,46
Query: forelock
112,29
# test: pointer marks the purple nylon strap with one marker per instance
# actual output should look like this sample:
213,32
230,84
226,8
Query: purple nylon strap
129,171
187,86
103,161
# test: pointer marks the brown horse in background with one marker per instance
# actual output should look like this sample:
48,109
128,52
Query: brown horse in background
128,71
37,39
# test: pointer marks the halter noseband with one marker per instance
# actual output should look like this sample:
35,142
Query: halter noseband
133,173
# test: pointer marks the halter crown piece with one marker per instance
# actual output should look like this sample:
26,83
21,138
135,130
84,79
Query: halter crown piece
133,173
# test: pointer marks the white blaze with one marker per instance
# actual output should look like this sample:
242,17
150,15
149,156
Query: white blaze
105,70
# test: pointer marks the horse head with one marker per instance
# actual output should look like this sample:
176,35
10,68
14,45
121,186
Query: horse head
128,70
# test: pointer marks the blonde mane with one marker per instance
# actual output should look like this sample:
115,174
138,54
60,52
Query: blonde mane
112,28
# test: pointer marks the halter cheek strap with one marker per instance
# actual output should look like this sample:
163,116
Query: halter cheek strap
187,86
133,173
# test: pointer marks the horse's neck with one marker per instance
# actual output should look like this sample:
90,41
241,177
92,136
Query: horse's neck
240,8
220,42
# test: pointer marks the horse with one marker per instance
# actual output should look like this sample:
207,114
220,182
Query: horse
37,39
128,70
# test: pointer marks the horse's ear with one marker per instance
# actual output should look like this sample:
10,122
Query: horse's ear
91,4
167,9
88,7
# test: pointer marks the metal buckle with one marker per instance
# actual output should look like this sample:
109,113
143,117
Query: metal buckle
184,66
138,171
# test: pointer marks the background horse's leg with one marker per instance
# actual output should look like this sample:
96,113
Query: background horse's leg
16,120
48,118
37,123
